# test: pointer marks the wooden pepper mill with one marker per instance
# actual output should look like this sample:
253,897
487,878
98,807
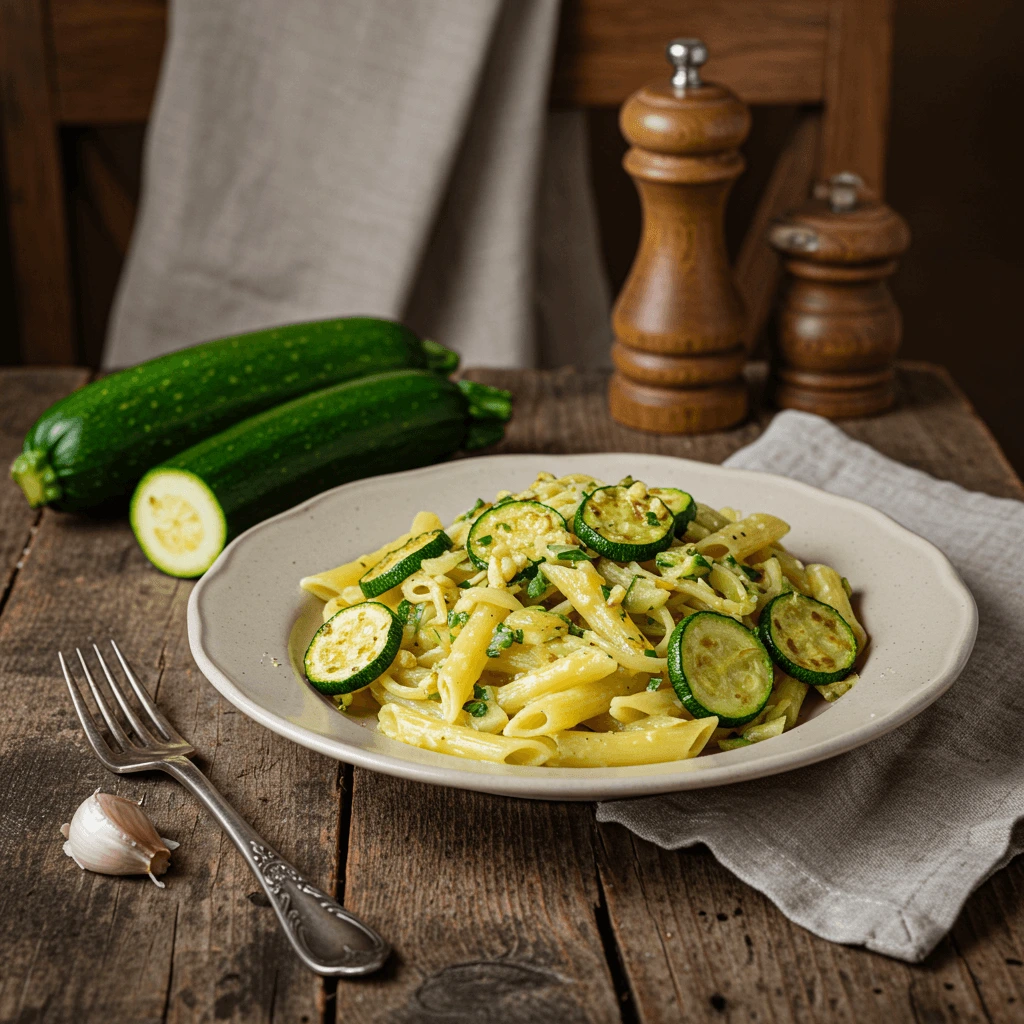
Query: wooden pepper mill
679,319
838,325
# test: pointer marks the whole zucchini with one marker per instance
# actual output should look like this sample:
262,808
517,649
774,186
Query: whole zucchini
91,448
184,511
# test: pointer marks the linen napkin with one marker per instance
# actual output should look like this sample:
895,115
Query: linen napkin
321,158
881,847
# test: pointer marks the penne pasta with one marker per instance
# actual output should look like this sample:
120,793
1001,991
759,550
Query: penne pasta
523,643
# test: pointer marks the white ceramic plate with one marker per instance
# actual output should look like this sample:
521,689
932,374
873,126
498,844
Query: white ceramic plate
248,621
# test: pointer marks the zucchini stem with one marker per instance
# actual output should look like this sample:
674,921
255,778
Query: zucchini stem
485,402
440,359
36,478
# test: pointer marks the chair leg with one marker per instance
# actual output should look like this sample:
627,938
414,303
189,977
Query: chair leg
34,186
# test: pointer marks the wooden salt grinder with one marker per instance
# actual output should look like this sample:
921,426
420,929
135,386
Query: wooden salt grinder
679,319
838,325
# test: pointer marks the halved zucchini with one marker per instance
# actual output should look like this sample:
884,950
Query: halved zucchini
680,504
521,530
353,647
401,563
178,522
808,640
719,667
685,563
626,524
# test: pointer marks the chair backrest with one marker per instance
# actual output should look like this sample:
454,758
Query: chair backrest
95,62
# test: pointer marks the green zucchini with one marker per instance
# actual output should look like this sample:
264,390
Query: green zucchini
624,523
808,640
680,504
91,448
184,511
353,647
401,563
683,563
719,667
521,530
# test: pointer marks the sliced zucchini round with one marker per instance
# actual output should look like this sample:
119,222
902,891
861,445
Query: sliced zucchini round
401,563
178,522
521,530
680,504
808,640
625,524
353,647
719,667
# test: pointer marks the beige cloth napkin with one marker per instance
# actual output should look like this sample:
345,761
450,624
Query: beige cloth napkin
318,158
880,847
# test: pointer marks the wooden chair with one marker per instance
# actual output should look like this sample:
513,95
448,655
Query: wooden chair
93,62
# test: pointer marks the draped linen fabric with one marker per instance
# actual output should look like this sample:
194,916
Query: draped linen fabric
323,158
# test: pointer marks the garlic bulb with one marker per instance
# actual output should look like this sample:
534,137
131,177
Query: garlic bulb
113,836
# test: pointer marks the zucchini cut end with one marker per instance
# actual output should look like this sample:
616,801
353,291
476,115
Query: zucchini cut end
36,478
178,522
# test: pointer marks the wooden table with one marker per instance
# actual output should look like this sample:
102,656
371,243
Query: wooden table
499,910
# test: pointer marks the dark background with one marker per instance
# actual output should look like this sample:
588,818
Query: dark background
953,172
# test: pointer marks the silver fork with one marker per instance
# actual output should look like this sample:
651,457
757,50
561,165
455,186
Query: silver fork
327,938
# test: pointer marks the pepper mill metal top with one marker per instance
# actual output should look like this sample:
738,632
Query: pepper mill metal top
686,56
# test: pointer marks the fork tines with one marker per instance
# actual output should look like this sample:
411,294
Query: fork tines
136,728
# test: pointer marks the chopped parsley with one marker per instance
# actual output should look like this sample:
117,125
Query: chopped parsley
485,540
470,512
502,639
434,696
477,707
606,591
457,618
505,527
536,587
652,519
574,630
465,585
650,654
565,553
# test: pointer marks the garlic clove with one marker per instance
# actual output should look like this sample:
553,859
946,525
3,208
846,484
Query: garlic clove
113,836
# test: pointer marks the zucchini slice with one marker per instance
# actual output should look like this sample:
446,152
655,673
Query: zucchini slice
808,640
680,504
625,524
685,563
401,563
642,596
353,647
521,530
178,522
719,667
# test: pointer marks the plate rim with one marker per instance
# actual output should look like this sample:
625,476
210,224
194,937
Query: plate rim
582,787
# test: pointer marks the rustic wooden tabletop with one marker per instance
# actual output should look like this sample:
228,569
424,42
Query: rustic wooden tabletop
498,909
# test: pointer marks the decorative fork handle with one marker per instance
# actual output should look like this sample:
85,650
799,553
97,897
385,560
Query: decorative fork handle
328,939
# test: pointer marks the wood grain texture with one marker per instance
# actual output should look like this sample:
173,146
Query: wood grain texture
34,186
858,71
499,910
79,946
757,266
768,51
107,58
488,902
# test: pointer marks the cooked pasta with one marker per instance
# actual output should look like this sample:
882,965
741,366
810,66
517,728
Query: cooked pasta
578,624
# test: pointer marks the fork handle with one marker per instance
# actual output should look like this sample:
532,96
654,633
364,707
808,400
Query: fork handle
328,939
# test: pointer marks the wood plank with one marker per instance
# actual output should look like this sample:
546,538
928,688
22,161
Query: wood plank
489,902
114,205
34,187
769,51
698,944
79,946
107,55
858,76
758,269
25,394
